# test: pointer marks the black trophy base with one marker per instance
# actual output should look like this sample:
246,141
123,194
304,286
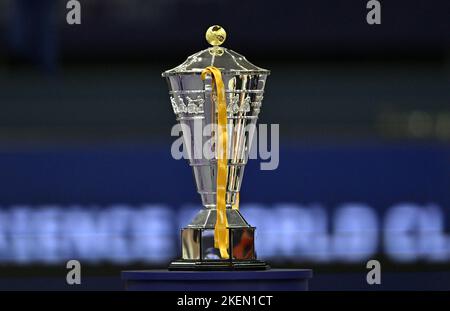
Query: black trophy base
219,265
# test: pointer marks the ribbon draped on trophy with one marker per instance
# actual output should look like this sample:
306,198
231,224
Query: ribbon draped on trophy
221,240
217,88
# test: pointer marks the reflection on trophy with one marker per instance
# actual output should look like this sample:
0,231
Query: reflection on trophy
219,92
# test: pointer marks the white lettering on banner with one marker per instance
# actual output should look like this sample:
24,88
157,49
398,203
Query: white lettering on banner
355,232
413,232
150,233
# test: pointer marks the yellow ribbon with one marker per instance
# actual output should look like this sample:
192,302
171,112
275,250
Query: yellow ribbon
221,239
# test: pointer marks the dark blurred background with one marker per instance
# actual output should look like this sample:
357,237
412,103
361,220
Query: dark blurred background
364,113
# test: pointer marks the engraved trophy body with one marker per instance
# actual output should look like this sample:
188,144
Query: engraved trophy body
194,100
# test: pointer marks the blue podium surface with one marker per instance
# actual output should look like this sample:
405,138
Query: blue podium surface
265,280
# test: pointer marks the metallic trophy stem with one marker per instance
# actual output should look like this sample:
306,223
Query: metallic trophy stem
206,218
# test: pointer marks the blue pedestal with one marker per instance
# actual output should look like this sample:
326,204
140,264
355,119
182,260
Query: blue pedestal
266,280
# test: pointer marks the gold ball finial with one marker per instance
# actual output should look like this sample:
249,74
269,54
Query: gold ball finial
216,35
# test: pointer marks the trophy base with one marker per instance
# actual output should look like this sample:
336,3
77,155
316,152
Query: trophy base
225,265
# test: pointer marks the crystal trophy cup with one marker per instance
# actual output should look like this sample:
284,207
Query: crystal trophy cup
194,98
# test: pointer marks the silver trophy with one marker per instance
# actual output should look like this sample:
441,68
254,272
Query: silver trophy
194,99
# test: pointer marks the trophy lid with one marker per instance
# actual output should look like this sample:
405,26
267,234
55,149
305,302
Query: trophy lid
228,61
